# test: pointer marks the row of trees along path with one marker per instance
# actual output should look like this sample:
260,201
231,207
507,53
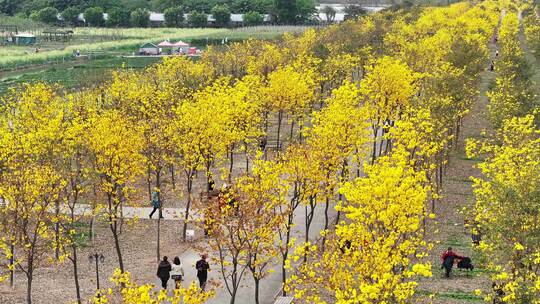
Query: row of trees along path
450,227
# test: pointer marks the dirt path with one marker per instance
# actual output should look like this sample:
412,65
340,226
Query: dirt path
530,57
449,229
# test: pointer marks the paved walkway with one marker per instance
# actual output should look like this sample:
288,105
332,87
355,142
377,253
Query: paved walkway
269,287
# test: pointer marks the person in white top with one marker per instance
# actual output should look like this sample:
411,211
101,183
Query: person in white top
177,272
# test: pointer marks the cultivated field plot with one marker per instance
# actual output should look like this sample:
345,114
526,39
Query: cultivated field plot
95,41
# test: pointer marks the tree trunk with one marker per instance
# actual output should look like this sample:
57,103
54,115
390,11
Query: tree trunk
158,240
149,183
158,253
309,220
326,207
441,173
257,281
12,265
284,274
292,131
233,296
30,274
92,220
30,278
57,230
357,166
280,118
92,234
118,252
340,197
231,165
388,146
374,152
189,186
247,158
76,273
381,144
458,125
173,180
285,254
113,225
209,175
266,126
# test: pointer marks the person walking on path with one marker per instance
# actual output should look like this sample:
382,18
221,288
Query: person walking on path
447,259
177,272
202,267
163,272
156,204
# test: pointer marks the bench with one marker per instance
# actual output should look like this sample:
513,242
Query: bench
284,300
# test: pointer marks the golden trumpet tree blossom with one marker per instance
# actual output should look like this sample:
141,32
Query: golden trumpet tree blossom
373,254
130,292
508,208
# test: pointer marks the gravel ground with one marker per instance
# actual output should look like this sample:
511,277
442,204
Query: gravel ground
54,283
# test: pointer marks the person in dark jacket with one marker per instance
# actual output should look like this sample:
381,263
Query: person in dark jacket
447,259
202,267
156,204
164,272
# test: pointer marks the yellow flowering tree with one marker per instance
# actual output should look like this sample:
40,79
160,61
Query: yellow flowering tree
30,185
369,256
115,146
261,193
242,224
507,209
342,118
387,89
77,173
288,92
129,292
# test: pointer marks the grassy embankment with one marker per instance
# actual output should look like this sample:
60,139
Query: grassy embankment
55,62
110,41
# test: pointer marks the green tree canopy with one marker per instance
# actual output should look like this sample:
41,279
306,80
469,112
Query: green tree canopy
253,18
118,17
294,11
305,9
162,5
62,5
354,11
140,17
174,16
94,16
70,15
199,5
222,14
197,19
244,6
48,15
9,7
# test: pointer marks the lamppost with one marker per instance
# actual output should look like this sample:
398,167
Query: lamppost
97,258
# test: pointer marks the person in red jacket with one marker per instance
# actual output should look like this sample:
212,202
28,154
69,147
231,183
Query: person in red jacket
447,259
